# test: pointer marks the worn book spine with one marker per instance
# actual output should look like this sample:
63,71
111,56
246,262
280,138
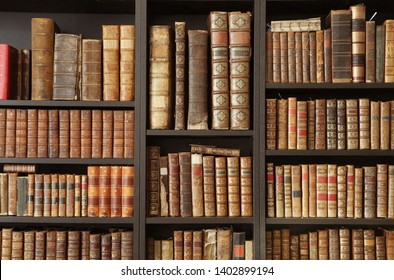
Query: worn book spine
190,187
350,180
12,193
294,247
321,125
291,57
296,197
209,150
42,55
3,194
246,186
127,191
381,190
115,245
375,124
129,134
380,53
276,244
6,246
269,75
180,60
208,165
28,244
282,110
116,191
268,245
344,244
304,246
173,185
224,243
26,74
3,118
126,248
104,195
39,245
218,27
233,185
298,57
178,244
390,193
321,190
305,57
93,191
333,244
312,56
270,195
118,134
97,133
388,54
240,55
304,190
30,194
358,32
287,191
369,245
198,245
285,244
50,246
380,244
370,52
359,191
310,24
86,134
127,63
276,65
95,246
271,124
70,195
187,245
108,133
78,195
312,190
75,133
42,132
320,56
22,196
47,196
370,190
38,195
384,125
73,245
221,187
84,195
352,122
10,133
105,247
111,62
163,186
279,192
389,234
341,192
160,77
332,191
53,133
210,244
54,179
327,55
64,133
322,243
341,124
364,123
153,173
391,124
284,64
21,133
292,123
331,122
357,237
311,115
91,70
61,245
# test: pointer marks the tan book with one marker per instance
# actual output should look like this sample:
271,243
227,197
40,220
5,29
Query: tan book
302,125
341,124
111,62
97,133
84,195
311,119
352,122
6,243
246,186
233,185
95,246
331,122
17,245
3,117
384,125
42,130
380,52
305,57
312,190
276,71
291,56
357,244
358,43
126,247
93,191
127,191
12,193
282,110
108,133
86,134
310,24
91,70
279,192
276,244
212,150
70,195
39,245
50,246
221,187
178,245
3,194
127,63
198,244
104,194
320,56
370,52
118,134
249,250
187,245
208,165
64,133
296,202
389,234
388,54
180,74
156,250
298,57
268,245
332,191
344,244
380,244
271,124
342,188
304,246
30,193
350,191
78,195
287,191
10,133
321,190
210,244
174,186
106,246
53,133
364,125
323,246
390,193
116,191
129,124
370,190
28,245
21,134
197,191
292,123
369,245
73,245
285,243
381,190
85,245
47,196
312,56
358,192
375,125
304,190
284,66
333,244
167,250
224,243
115,245
270,190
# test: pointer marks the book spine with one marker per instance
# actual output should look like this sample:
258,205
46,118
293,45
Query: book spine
284,64
321,190
190,187
298,57
197,192
287,191
97,133
304,246
91,70
312,190
108,133
344,244
323,239
116,191
153,172
384,125
305,57
188,245
221,187
178,244
197,245
38,195
233,185
332,191
331,123
95,246
370,52
390,193
106,246
21,133
285,244
375,125
276,245
70,195
180,58
61,245
341,124
53,133
388,55
380,242
126,63
342,188
93,191
64,133
42,132
304,190
84,195
327,55
39,245
321,125
333,244
129,134
312,57
292,123
279,192
126,249
282,124
381,190
268,245
208,164
115,245
238,245
270,175
358,192
3,118
357,244
78,196
294,247
311,112
118,134
320,56
364,123
173,185
369,245
246,186
86,134
50,246
164,186
47,196
291,56
352,124
228,152
358,43
370,191
22,196
210,244
127,199
73,245
111,62
296,202
276,65
380,53
10,133
271,123
26,74
104,194
28,245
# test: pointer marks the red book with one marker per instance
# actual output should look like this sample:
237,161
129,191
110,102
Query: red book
8,72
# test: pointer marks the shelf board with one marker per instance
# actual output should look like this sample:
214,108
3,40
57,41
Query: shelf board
202,220
67,104
330,86
330,153
82,161
329,221
200,133
60,221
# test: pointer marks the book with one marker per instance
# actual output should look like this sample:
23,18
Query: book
86,134
270,187
321,124
305,57
292,123
296,202
312,189
285,244
311,119
127,191
238,245
174,185
115,245
388,55
178,244
321,190
73,245
312,56
111,62
47,195
352,122
126,62
21,134
357,239
282,111
108,133
323,245
153,180
307,24
210,244
287,191
359,191
129,134
370,52
164,191
53,133
291,57
118,134
384,125
358,40
271,122
327,37
364,123
116,191
208,165
8,72
331,122
126,248
91,70
22,196
298,57
64,133
233,185
28,245
284,63
104,191
304,190
75,133
276,65
279,192
246,186
196,179
380,53
10,132
3,117
370,190
187,245
93,191
180,74
97,133
332,191
42,132
212,150
294,247
3,194
341,191
221,187
320,56
198,244
381,190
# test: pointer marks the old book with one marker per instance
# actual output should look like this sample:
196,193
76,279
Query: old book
390,193
333,244
127,191
64,133
352,122
341,193
180,74
116,191
42,132
111,62
381,190
22,196
53,133
19,168
327,55
271,124
311,112
282,109
306,58
304,190
350,180
28,245
127,63
75,133
47,203
106,243
321,190
26,74
156,248
344,244
126,247
12,193
167,250
357,244
370,52
238,245
221,187
369,244
73,245
212,150
294,247
341,37
304,246
285,243
198,244
30,193
284,64
42,56
67,67
270,190
6,243
358,32
291,57
17,245
312,56
38,195
95,246
104,195
359,192
370,191
321,125
160,77
384,125
86,134
276,244
308,24
178,244
61,245
332,191
208,165
54,193
173,185
8,72
388,54
108,133
312,188
246,186
292,123
296,203
287,190
93,191
233,185
331,122
389,234
70,195
198,74
375,124
210,244
39,245
84,195
21,133
279,192
129,134
118,134
322,243
3,117
298,56
380,53
219,46
91,70
269,78
320,56
164,186
3,194
50,246
10,132
153,177
115,245
268,245
240,55
196,178
97,133
187,245
249,250
341,124
380,245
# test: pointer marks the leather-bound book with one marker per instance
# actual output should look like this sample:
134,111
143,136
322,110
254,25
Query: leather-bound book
54,199
75,133
21,133
128,134
210,244
73,245
116,191
391,124
327,55
3,194
8,72
380,53
198,80
224,243
173,185
291,56
292,123
233,185
341,193
352,122
91,70
321,190
26,74
97,133
358,43
276,71
271,124
70,195
78,195
3,114
381,190
389,234
111,62
95,246
282,110
153,249
357,244
287,190
284,64
160,75
246,186
320,56
311,112
370,191
341,124
127,63
42,56
302,125
22,196
104,195
219,48
67,67
208,165
197,191
84,195
17,245
331,124
321,125
153,183
359,191
350,181
344,244
19,168
47,196
304,190
50,246
6,243
221,187
370,52
10,132
369,244
164,186
12,193
42,132
388,54
312,56
29,238
127,191
304,246
197,245
276,244
332,191
375,124
268,245
126,247
39,246
340,22
86,134
212,150
279,192
64,133
240,55
93,191
305,57
180,61
187,245
294,247
296,203
270,186
38,195
178,245
115,245
298,57
333,244
312,188
390,193
106,243
380,244
53,133
108,133
167,250
323,247
118,134
30,194
285,244
269,78
384,125
61,245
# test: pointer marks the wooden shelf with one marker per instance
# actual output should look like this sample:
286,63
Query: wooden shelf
202,220
80,161
358,86
67,104
64,222
329,221
200,133
329,153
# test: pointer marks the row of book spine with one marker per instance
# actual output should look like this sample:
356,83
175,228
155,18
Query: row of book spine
330,190
332,124
63,133
229,53
55,244
190,184
351,49
106,191
207,244
330,244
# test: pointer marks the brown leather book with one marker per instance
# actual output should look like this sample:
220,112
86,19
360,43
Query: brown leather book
224,243
84,195
42,56
212,150
246,186
127,63
369,244
156,248
26,74
108,133
303,246
323,244
276,244
331,122
389,234
127,191
178,245
75,133
111,62
340,22
327,55
352,122
291,56
294,247
39,245
221,187
240,55
115,245
17,245
198,84
390,193
312,188
364,126
106,243
3,118
47,196
54,179
276,65
128,134
311,115
350,191
341,124
388,54
42,132
104,195
380,52
282,110
305,57
312,57
95,246
118,134
333,244
304,190
86,133
50,246
321,125
91,70
197,198
344,244
302,125
292,123
320,56
164,186
64,133
21,133
298,57
285,244
279,192
370,52
208,164
321,190
358,192
160,75
284,63
93,191
30,194
187,245
38,195
210,244
167,250
10,133
126,248
28,244
218,27
384,125
12,193
67,67
287,190
78,195
271,123
73,245
269,78
97,133
268,245
375,124
116,191
6,246
296,202
70,195
61,245
370,191
173,185
153,177
341,194
234,188
53,133
357,244
332,191
380,243
358,43
180,60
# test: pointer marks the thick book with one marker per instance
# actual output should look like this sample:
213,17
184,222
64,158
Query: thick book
298,57
115,245
375,124
26,75
127,63
385,125
180,74
8,72
208,165
320,56
285,244
357,241
22,196
70,195
304,246
3,194
39,245
311,112
29,237
221,187
370,190
67,67
127,191
294,247
224,243
381,190
129,124
91,70
54,195
358,43
50,246
178,244
212,150
61,245
246,186
111,62
126,247
369,245
38,195
312,188
12,193
323,244
190,187
73,245
153,177
287,190
276,244
47,196
173,185
388,54
160,75
198,244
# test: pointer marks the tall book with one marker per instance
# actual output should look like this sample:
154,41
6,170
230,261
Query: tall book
187,245
370,52
208,165
320,56
108,133
385,125
64,133
240,55
180,60
86,134
276,244
174,185
352,122
153,180
380,53
118,134
375,124
322,243
344,244
3,117
218,27
10,132
294,247
190,187
75,133
246,186
97,133
178,244
47,196
104,196
285,244
357,240
311,119
42,55
305,57
129,124
115,245
284,71
350,180
298,56
304,190
111,62
388,54
91,70
198,245
390,192
358,43
73,245
271,122
28,244
369,245
127,62
21,133
61,245
70,195
276,71
22,196
126,251
364,123
127,198
42,132
333,244
221,187
8,72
